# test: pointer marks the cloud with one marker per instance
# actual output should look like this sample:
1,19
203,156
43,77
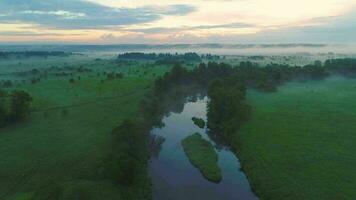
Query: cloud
31,33
190,28
78,14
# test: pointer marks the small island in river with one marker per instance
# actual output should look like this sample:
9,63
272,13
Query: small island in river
202,155
199,122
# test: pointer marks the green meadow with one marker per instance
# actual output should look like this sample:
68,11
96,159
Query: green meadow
300,141
58,152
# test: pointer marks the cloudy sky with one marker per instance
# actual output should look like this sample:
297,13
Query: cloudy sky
177,21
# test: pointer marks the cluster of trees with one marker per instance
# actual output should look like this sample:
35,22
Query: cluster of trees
6,83
161,58
210,56
252,75
227,109
113,75
129,154
345,67
14,106
27,54
201,75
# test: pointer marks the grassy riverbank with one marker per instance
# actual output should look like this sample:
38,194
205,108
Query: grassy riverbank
202,155
299,142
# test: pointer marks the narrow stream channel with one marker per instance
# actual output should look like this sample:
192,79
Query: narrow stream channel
174,177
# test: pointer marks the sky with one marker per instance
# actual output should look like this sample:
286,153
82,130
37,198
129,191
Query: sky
177,21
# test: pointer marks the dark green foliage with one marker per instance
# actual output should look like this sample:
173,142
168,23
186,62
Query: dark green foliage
113,75
178,75
345,67
199,122
71,80
14,106
201,75
127,163
227,109
35,80
7,83
3,110
20,105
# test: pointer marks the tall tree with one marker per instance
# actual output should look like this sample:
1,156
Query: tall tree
20,105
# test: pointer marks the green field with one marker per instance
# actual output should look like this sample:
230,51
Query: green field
58,152
300,142
201,154
64,146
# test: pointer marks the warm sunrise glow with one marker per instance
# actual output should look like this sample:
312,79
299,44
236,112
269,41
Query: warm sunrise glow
172,21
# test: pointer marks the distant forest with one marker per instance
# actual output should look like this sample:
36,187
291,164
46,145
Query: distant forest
28,54
162,58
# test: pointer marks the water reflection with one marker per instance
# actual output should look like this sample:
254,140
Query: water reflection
172,174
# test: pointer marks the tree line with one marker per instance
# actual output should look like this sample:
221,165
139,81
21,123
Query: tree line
28,54
161,58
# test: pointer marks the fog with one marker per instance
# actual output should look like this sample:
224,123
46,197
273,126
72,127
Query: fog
217,49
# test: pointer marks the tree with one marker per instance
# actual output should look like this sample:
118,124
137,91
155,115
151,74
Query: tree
3,112
129,153
226,107
20,105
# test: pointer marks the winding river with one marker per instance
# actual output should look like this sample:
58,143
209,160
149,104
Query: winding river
174,177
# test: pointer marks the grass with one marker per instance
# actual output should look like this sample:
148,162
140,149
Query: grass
63,145
300,142
64,149
202,155
199,122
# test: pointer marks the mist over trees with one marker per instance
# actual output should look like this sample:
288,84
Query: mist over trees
161,58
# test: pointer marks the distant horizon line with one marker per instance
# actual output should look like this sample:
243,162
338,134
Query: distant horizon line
318,44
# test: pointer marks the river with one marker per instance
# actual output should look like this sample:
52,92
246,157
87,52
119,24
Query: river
174,177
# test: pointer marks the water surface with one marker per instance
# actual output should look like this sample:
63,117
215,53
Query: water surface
174,177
